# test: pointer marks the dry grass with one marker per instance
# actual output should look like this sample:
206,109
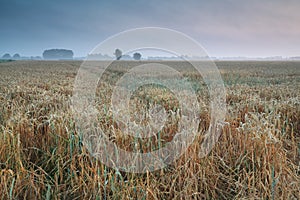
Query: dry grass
256,157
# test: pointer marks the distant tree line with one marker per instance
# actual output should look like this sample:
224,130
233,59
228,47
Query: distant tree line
118,53
58,54
14,57
65,54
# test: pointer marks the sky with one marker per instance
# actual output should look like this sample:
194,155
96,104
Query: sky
225,28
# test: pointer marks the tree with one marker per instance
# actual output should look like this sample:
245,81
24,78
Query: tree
57,54
118,54
137,56
6,56
16,56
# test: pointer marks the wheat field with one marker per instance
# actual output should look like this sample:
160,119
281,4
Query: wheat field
256,157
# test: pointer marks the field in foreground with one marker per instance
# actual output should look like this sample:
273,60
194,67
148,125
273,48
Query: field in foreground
257,155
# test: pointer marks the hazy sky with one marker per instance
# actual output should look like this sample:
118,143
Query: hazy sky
223,27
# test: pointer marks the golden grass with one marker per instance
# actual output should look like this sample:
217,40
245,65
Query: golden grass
256,157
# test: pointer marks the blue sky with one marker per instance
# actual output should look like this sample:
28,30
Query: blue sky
223,27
